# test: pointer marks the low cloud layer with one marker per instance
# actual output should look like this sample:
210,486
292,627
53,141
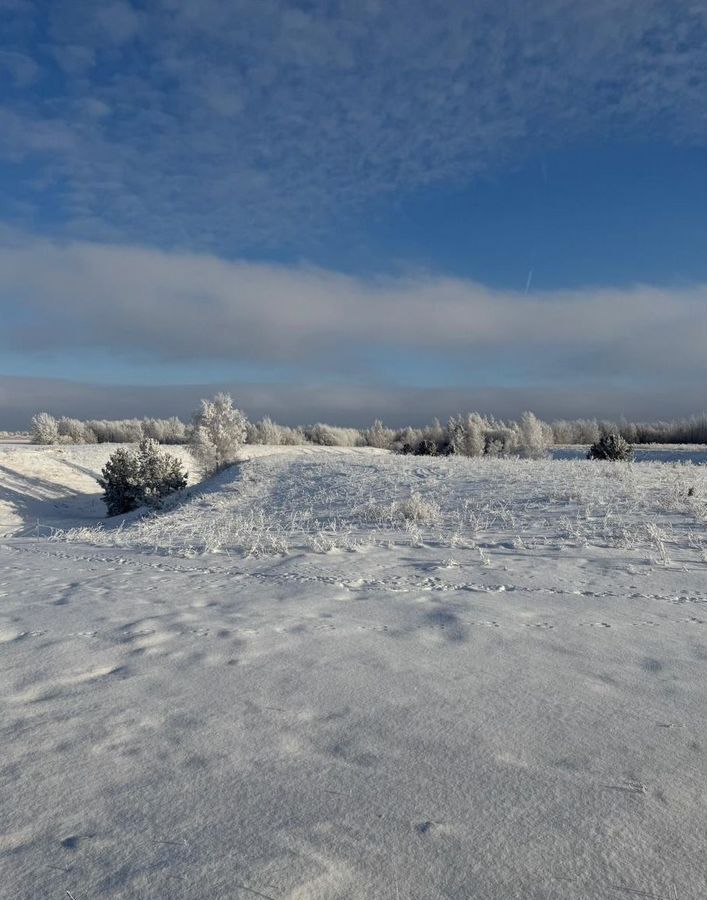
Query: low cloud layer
130,301
422,329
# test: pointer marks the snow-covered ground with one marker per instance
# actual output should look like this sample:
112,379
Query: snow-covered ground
44,487
343,674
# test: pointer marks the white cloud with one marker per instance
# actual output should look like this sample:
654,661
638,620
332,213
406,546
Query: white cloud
249,120
133,302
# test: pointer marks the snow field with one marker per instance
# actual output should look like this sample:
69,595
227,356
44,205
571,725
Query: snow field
338,674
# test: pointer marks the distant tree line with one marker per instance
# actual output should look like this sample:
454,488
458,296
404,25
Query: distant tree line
469,435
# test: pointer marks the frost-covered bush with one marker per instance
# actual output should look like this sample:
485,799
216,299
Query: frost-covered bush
532,440
268,432
263,432
405,441
140,477
415,508
219,432
426,447
611,446
292,436
500,440
74,431
117,431
455,444
44,429
474,435
333,436
379,436
418,509
165,431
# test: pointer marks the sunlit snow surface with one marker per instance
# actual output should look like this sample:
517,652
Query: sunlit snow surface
344,674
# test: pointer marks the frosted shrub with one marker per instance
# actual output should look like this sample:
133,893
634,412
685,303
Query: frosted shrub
153,429
175,431
474,435
291,436
456,437
611,447
499,440
218,434
74,431
406,440
426,447
264,432
332,436
117,431
44,429
142,477
417,509
379,436
531,438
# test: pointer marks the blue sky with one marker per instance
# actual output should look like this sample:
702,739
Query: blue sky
375,198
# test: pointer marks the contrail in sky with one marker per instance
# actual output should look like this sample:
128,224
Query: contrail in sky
527,283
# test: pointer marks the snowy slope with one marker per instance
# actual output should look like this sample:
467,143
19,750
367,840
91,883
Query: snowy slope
341,674
48,486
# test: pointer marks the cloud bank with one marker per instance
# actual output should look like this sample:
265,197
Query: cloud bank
320,326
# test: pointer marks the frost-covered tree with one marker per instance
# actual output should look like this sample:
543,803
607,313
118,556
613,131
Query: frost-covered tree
456,437
166,431
291,436
379,436
474,435
219,432
406,440
611,447
175,431
587,431
44,429
531,438
140,477
74,431
500,439
264,432
435,434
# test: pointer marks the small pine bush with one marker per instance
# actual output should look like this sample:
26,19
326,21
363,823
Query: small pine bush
611,446
142,477
426,447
